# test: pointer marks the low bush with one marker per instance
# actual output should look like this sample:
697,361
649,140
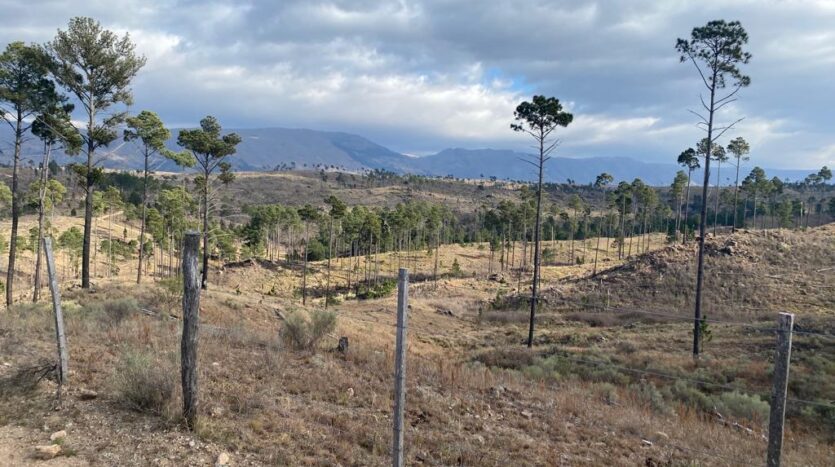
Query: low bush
303,333
738,405
503,317
379,290
648,394
118,310
145,382
455,270
513,359
110,312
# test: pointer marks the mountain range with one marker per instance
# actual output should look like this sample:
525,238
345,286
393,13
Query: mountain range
265,149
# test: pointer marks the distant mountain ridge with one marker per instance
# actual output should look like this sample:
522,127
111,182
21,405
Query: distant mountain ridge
264,149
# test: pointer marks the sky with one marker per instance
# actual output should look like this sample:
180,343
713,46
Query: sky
421,76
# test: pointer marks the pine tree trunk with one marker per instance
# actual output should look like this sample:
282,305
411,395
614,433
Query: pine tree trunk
10,272
736,196
304,270
535,282
718,192
330,254
204,278
687,205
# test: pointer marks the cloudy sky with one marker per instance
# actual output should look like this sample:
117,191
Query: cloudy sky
419,76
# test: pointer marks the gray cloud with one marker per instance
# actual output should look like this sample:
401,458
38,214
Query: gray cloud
422,75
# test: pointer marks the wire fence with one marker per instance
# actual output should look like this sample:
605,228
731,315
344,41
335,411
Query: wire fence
603,305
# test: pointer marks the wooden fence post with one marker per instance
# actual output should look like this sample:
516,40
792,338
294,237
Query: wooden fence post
60,335
400,367
191,317
785,323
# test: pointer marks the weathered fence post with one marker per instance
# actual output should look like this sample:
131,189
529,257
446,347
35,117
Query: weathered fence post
400,367
191,316
785,323
60,335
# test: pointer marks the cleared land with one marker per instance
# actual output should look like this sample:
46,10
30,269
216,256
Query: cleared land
475,395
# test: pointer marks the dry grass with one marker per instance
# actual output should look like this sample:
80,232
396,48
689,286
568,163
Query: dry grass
475,396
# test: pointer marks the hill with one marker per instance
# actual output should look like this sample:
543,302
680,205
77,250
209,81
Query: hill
264,149
506,164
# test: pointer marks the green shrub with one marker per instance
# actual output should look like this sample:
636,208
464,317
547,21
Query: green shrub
145,382
316,251
302,333
691,396
548,255
608,392
455,270
739,405
648,394
379,290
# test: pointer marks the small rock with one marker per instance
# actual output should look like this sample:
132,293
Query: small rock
58,435
527,414
191,444
342,347
350,392
215,364
87,394
222,459
47,452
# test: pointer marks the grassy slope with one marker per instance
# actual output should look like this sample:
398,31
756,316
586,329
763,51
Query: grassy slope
269,405
266,404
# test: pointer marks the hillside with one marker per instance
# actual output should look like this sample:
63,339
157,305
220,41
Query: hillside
749,274
264,149
505,164
475,396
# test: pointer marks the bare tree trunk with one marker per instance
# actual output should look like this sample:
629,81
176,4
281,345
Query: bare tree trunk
204,278
678,218
700,273
10,272
687,205
110,241
718,192
304,270
330,254
437,247
736,196
536,256
88,200
41,212
596,251
142,228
